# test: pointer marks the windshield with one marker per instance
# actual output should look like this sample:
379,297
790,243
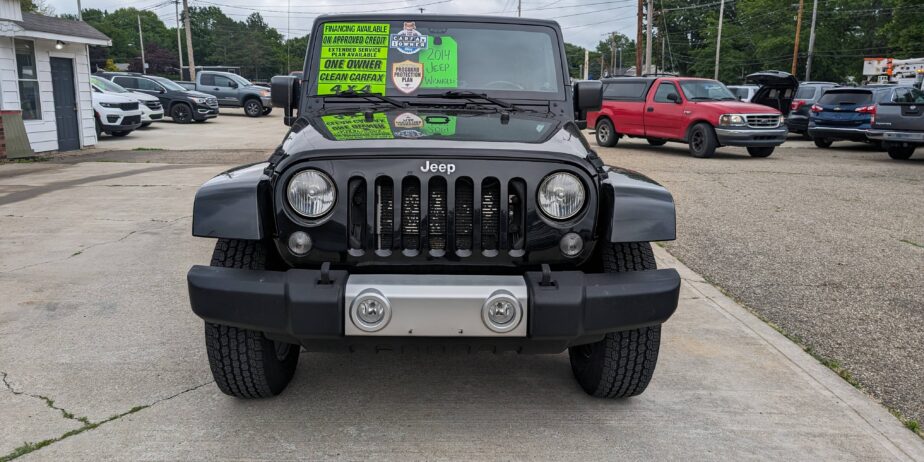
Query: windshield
705,90
240,80
408,58
168,84
106,85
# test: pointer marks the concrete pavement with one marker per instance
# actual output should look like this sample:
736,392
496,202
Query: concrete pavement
94,317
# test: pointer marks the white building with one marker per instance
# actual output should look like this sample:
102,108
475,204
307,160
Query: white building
45,74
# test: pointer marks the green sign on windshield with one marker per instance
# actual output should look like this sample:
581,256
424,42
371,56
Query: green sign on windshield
441,64
353,57
356,127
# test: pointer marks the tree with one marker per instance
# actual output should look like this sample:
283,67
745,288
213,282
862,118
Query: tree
38,7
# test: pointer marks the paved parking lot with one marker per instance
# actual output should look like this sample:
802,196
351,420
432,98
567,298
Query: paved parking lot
827,244
97,339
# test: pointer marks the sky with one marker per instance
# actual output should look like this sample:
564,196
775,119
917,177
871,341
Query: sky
584,22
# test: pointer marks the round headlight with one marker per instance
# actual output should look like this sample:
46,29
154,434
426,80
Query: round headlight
561,195
311,193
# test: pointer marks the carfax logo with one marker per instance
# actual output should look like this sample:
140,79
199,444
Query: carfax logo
409,40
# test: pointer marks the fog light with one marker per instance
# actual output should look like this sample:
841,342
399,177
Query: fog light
370,311
501,312
571,245
299,243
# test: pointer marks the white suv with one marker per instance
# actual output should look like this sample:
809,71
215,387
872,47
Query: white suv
115,115
151,109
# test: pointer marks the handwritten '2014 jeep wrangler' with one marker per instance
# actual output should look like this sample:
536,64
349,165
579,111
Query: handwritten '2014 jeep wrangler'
434,190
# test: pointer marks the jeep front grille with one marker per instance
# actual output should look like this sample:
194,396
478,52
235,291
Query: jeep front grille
763,120
439,215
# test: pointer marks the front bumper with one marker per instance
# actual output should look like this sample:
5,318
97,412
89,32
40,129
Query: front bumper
752,137
572,308
205,112
266,101
896,136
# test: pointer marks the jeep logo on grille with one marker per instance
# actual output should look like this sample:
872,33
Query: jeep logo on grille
441,168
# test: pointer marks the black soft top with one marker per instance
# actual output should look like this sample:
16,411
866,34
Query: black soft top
438,18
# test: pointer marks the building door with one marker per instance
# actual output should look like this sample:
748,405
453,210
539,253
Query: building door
66,114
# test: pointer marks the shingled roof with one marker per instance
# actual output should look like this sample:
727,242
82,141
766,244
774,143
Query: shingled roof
47,24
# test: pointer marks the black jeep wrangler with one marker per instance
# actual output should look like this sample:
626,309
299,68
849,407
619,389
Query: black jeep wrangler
435,190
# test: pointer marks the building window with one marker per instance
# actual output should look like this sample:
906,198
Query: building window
29,97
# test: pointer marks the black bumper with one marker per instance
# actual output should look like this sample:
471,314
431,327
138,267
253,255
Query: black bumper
838,133
205,112
797,123
295,306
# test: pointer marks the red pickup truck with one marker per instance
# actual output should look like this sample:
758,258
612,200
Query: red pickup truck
700,112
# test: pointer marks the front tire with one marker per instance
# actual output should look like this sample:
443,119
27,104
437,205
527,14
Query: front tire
606,133
622,364
900,152
267,111
253,107
244,363
181,113
760,151
702,141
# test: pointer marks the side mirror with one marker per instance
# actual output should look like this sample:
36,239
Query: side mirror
284,92
588,96
674,97
232,84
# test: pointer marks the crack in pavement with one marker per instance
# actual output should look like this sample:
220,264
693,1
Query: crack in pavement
165,224
28,447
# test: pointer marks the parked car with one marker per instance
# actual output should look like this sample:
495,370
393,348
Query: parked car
233,90
843,114
743,92
459,219
699,112
807,95
898,122
115,115
180,104
151,109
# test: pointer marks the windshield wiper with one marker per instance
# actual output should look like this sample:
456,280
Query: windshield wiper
377,96
469,95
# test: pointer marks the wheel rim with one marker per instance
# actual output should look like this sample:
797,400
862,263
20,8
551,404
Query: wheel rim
252,108
604,133
181,113
697,141
282,350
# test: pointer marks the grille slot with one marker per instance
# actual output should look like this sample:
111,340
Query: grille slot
763,120
356,193
384,213
442,215
464,213
410,213
436,210
490,213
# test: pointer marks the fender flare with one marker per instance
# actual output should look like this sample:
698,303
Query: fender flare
236,204
635,208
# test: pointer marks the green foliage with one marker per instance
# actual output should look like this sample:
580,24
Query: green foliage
760,35
258,49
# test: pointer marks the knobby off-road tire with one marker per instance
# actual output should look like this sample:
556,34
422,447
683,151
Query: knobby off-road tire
760,151
702,139
606,133
620,365
244,363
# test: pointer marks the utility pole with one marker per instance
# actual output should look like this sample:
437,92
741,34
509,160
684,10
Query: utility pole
602,65
79,11
519,7
795,49
718,41
648,16
663,59
179,44
811,48
189,47
144,68
586,63
638,40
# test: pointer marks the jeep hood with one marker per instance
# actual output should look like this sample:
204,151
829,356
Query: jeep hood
434,130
